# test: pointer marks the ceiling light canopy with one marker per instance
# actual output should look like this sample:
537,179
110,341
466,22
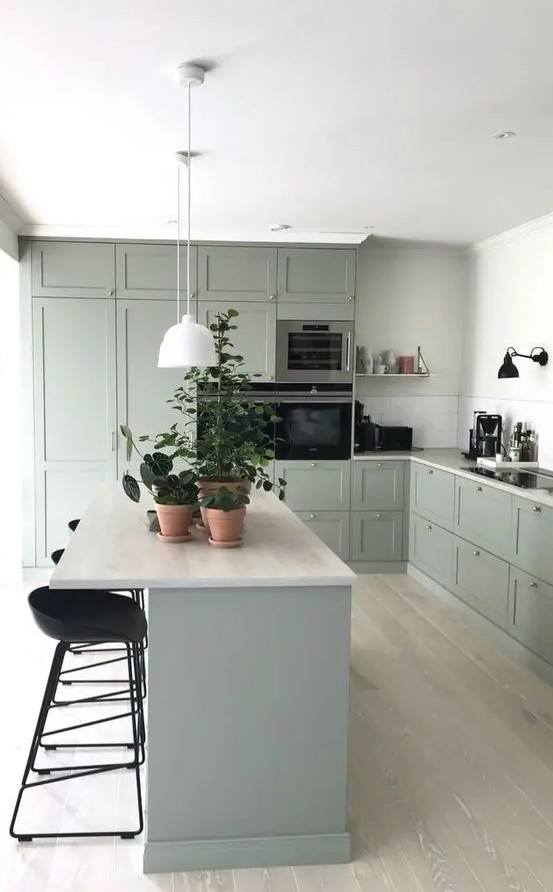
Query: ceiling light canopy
505,134
187,343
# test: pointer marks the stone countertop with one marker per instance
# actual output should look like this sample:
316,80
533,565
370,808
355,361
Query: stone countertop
454,461
113,548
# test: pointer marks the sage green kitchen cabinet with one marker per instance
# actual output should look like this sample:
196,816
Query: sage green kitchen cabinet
316,274
74,411
531,613
316,486
316,312
142,388
433,494
484,515
228,274
431,549
533,547
330,526
482,580
377,536
378,485
72,269
255,337
149,272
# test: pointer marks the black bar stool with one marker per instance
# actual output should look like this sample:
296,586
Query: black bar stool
74,616
138,597
73,524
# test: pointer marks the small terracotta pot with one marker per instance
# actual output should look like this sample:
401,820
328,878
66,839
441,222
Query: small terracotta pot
174,520
225,527
207,486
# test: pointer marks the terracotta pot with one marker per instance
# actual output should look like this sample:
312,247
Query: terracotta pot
174,520
225,527
207,486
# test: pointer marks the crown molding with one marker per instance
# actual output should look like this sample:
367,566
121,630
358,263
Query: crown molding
517,233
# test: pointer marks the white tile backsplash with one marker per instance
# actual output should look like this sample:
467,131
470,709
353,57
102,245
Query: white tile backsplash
434,419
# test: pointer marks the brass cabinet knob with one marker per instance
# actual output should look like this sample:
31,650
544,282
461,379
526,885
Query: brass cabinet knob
476,553
428,526
478,489
537,508
312,516
378,516
313,464
379,464
533,585
349,298
111,293
430,472
272,296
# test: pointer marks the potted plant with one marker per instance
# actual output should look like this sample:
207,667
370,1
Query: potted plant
225,510
236,436
175,494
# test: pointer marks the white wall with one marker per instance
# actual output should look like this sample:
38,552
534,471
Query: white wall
10,437
406,296
510,303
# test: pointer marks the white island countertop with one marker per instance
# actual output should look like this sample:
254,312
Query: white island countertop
113,548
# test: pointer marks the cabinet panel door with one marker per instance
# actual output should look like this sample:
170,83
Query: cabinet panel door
433,494
72,269
485,515
377,535
149,272
236,273
531,613
143,388
315,486
482,580
431,549
378,485
330,526
534,538
75,414
316,274
255,338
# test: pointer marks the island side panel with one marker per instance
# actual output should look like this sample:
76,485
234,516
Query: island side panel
247,727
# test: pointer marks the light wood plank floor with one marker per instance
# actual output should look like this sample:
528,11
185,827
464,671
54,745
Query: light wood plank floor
451,768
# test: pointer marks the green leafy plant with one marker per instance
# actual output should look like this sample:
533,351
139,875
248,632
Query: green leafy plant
156,473
223,499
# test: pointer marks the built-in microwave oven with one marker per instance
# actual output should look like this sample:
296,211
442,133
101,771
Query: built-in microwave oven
314,352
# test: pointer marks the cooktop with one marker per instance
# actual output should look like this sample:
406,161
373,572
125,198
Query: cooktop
523,479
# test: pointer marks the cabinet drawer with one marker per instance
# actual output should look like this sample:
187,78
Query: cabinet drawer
378,485
433,494
315,486
531,613
330,526
485,515
534,538
236,273
482,580
72,269
316,274
432,550
377,536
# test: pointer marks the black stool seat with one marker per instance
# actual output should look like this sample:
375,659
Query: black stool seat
73,524
76,615
57,555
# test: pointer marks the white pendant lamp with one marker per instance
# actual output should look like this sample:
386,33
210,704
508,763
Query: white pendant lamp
187,343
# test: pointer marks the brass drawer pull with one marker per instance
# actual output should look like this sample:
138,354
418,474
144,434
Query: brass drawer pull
478,489
430,472
428,526
476,553
378,516
533,585
313,464
537,508
379,464
312,516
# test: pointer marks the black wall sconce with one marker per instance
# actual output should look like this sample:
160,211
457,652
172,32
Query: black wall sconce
509,369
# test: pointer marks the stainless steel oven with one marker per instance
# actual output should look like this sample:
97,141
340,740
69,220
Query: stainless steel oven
314,424
314,352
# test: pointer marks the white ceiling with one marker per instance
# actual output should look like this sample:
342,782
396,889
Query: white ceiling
329,115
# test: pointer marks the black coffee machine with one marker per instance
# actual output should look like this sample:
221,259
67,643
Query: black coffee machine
365,432
485,436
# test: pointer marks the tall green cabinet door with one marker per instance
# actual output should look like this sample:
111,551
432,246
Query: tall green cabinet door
149,272
255,337
237,273
72,269
142,388
316,274
75,415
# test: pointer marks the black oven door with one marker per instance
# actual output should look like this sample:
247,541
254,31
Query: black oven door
313,428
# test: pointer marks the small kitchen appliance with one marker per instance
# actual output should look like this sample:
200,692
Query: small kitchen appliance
394,438
487,435
310,352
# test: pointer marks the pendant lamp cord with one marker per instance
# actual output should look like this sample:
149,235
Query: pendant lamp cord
189,197
178,242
